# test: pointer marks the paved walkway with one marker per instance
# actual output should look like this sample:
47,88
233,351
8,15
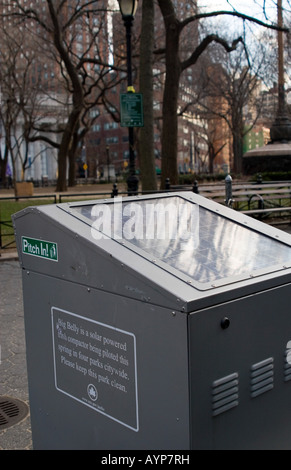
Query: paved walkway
13,375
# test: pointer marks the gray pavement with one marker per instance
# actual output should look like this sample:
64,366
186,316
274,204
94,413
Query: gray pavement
13,374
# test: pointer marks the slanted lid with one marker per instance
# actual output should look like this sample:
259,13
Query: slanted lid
188,238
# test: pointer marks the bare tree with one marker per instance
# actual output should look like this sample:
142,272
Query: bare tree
232,95
85,74
176,64
20,101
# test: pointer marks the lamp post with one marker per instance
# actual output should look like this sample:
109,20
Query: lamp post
128,9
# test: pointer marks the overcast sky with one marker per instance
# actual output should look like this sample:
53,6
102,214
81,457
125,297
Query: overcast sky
249,7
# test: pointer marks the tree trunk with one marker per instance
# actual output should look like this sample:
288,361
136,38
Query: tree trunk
72,169
72,160
170,122
211,156
146,139
237,138
237,153
72,172
3,167
65,148
14,173
62,171
170,99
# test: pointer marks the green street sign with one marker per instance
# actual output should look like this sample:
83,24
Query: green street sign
40,248
131,109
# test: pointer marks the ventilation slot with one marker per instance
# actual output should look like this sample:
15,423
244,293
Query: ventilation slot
224,394
262,377
287,366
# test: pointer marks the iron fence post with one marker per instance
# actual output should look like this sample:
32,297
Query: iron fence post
228,191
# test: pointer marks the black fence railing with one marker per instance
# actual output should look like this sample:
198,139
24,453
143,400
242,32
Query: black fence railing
259,199
7,239
8,224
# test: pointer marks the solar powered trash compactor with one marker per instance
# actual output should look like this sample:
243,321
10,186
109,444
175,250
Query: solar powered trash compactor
156,322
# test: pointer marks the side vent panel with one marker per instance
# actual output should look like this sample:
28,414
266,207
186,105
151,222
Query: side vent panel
225,394
262,377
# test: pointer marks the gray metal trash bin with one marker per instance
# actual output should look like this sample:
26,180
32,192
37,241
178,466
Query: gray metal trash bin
156,322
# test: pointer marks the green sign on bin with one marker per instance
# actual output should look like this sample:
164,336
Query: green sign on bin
131,109
40,248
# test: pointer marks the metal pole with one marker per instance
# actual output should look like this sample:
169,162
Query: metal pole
108,175
281,91
128,20
228,191
132,181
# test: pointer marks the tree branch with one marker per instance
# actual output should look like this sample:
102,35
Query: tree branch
205,43
199,16
44,139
